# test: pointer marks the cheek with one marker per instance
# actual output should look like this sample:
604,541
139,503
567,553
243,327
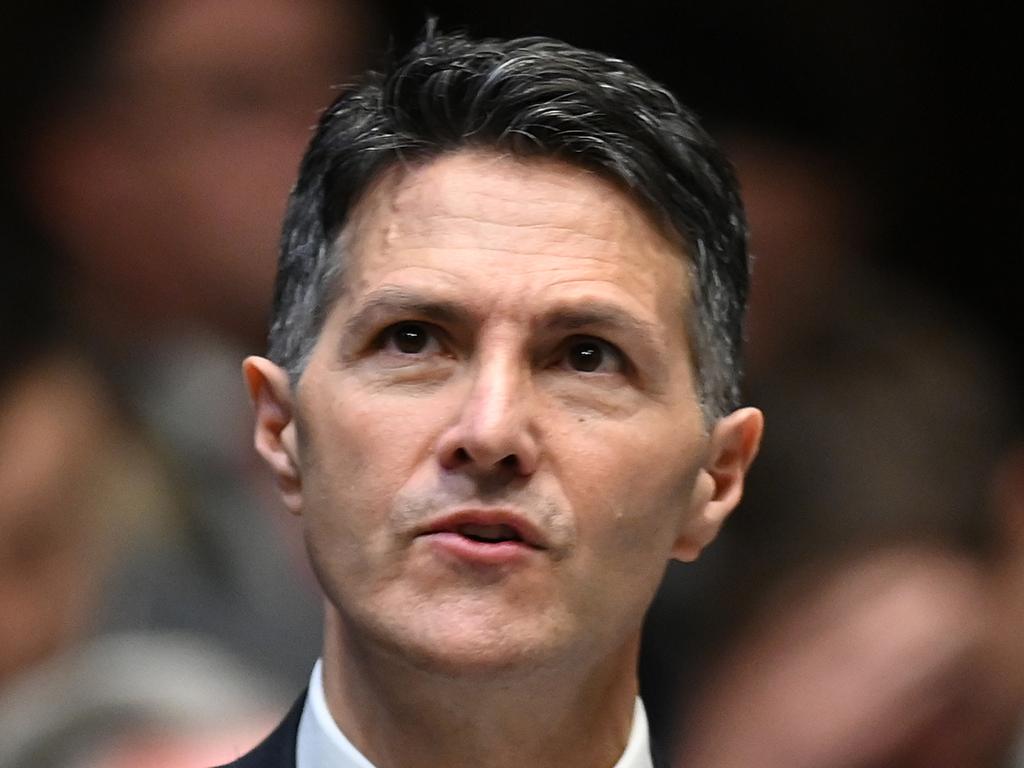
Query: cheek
630,494
627,510
358,457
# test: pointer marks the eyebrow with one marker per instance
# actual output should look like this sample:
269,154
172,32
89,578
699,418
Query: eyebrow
601,315
386,303
390,302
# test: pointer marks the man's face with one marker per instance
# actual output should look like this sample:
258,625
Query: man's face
497,443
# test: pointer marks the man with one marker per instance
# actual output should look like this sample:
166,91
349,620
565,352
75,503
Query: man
501,392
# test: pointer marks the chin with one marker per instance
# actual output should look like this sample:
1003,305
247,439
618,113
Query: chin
472,657
465,641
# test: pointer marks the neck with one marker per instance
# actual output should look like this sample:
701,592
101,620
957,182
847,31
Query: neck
396,713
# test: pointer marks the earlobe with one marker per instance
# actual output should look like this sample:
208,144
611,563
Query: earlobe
274,436
718,488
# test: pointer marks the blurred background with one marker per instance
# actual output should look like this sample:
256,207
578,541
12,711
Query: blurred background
864,608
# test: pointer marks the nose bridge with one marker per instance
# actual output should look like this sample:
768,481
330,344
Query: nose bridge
495,409
494,425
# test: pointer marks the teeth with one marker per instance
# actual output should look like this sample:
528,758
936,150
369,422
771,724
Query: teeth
488,532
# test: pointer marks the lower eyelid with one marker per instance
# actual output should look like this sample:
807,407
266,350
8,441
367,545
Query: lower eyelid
618,366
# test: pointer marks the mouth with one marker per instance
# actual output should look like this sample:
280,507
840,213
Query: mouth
488,534
484,536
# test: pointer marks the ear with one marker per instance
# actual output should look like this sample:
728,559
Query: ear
275,436
719,485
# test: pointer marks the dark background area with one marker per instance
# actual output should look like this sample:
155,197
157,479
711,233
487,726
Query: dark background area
920,98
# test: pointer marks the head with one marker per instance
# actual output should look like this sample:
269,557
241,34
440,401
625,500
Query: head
502,382
164,144
56,510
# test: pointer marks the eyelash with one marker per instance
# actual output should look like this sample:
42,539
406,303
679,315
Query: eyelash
389,336
561,359
608,351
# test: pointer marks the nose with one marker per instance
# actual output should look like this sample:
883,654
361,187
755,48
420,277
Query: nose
493,429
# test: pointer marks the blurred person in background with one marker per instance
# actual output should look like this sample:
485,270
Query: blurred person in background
66,501
159,701
73,486
159,164
77,487
891,408
155,158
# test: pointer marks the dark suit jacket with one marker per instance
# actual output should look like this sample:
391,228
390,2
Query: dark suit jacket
278,750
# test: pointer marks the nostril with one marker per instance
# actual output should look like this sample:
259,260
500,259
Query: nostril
462,456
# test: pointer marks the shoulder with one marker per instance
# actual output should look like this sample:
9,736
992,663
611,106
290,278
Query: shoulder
278,749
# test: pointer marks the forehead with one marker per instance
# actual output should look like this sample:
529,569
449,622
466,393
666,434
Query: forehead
519,228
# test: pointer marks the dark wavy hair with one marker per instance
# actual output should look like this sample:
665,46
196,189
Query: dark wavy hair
529,97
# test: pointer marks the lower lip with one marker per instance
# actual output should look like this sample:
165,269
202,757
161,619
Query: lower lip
480,552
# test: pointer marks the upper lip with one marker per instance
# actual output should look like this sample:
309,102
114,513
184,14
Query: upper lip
529,533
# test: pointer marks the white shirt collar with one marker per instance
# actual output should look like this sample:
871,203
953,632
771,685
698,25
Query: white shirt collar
321,744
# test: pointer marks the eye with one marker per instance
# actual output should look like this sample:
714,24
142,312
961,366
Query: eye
589,355
409,338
